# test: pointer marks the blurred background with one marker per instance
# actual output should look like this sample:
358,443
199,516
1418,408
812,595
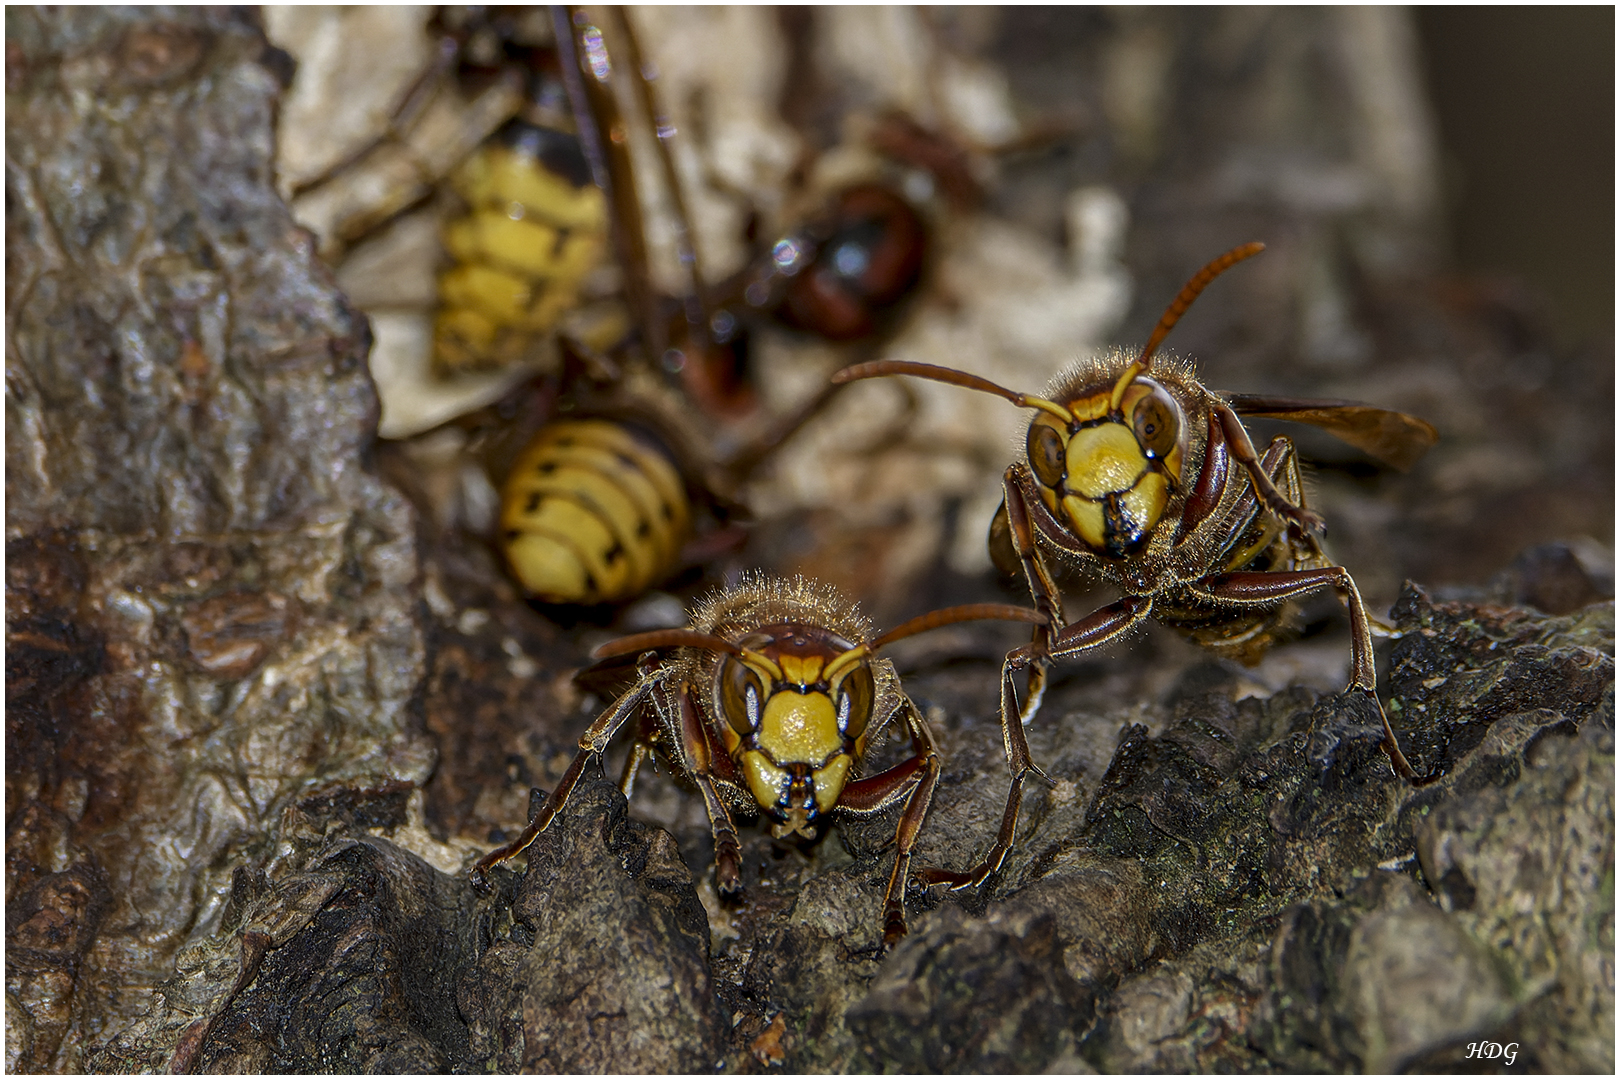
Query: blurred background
1522,102
1524,99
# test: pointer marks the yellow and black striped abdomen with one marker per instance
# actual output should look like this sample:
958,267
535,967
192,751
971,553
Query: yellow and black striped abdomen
535,227
592,513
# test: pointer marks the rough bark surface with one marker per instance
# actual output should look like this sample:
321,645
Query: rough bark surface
261,715
606,965
209,598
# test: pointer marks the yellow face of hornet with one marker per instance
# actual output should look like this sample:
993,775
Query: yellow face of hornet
1109,473
796,705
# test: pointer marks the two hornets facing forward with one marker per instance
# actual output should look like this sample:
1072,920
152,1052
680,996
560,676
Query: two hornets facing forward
1136,474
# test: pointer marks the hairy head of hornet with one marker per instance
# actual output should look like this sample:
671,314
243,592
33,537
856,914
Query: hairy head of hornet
767,702
797,700
1141,476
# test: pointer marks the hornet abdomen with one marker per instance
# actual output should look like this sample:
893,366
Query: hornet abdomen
592,512
535,227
